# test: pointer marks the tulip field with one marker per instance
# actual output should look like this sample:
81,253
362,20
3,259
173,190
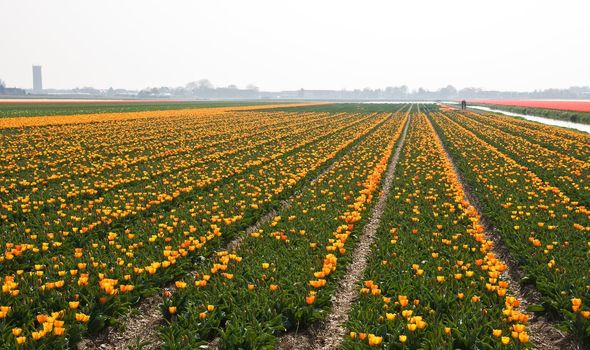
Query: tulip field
243,223
573,105
577,111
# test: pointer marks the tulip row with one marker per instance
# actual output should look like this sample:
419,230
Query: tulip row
11,124
283,275
30,108
545,230
82,279
566,142
564,134
569,171
148,194
60,154
432,280
122,170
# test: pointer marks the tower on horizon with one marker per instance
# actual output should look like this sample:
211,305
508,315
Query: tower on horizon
37,81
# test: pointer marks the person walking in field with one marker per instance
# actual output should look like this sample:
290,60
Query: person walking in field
463,104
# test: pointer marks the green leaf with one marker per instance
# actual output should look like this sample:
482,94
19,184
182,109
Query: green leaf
535,308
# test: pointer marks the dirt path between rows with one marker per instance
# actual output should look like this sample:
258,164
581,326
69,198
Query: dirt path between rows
329,334
139,328
543,334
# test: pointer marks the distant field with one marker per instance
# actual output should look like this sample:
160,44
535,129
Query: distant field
31,108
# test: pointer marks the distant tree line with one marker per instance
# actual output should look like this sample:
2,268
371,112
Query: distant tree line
204,89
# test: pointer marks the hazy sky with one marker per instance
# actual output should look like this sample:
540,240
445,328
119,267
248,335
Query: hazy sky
320,44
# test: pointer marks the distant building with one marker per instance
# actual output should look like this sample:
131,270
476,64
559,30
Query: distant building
37,80
12,91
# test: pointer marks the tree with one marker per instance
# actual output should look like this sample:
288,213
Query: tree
396,92
205,84
421,93
404,90
252,87
448,92
200,85
193,85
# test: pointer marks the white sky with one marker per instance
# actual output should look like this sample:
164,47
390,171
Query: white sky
319,44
